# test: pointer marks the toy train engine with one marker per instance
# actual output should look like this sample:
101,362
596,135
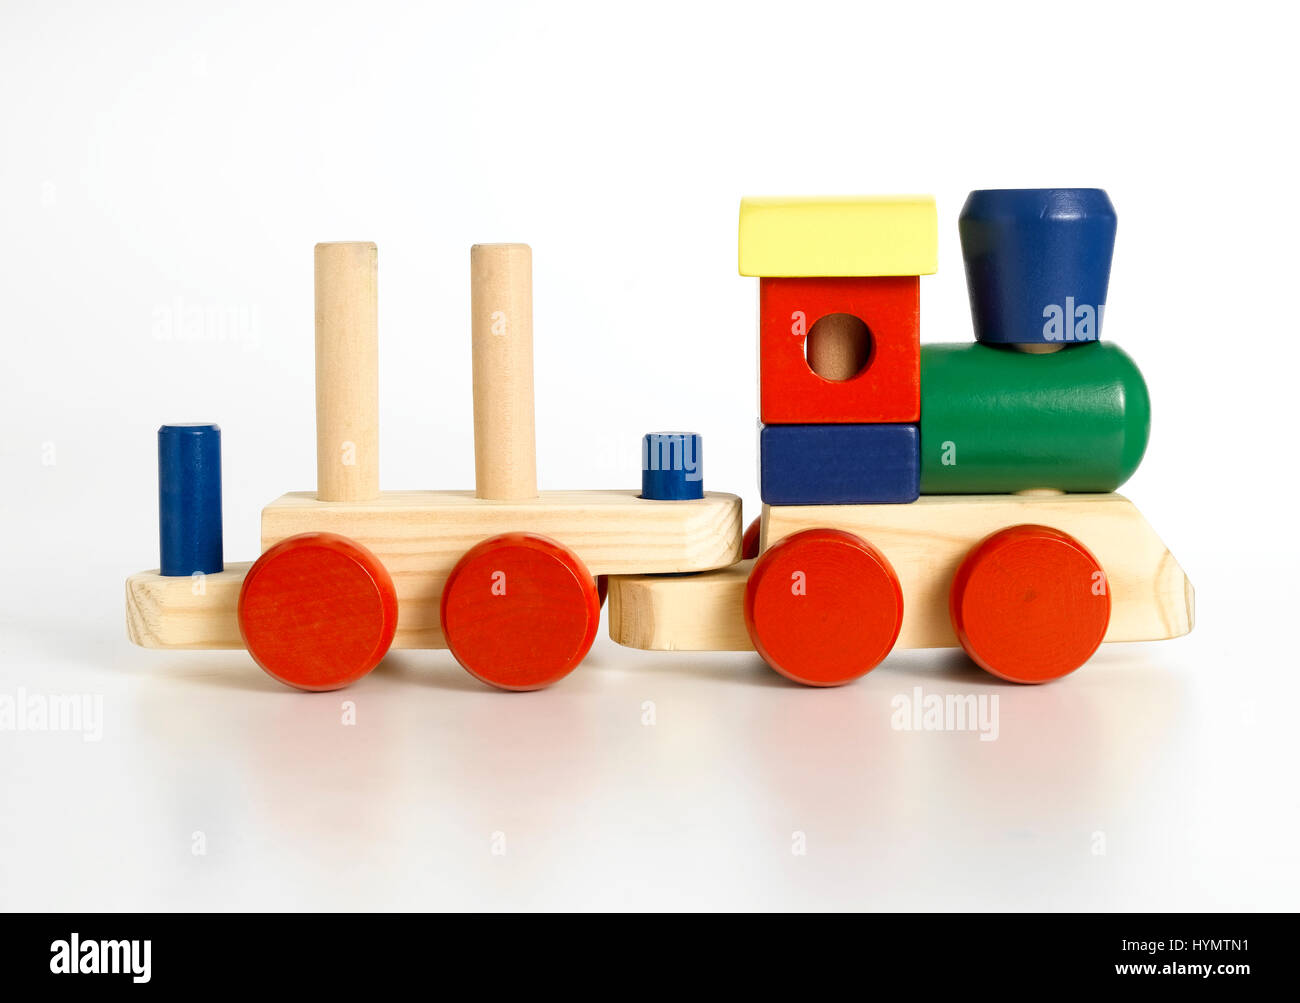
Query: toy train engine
932,495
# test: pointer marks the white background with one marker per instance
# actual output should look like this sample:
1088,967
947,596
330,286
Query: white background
161,157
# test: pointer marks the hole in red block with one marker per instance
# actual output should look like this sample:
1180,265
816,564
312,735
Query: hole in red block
839,346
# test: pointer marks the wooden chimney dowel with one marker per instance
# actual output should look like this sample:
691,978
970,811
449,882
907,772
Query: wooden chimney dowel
501,299
347,371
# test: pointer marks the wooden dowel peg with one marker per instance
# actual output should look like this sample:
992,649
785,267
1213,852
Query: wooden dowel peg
501,296
347,371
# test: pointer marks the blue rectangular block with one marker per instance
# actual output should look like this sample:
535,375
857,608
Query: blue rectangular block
839,464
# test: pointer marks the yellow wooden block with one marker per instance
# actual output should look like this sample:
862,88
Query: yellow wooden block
839,236
420,535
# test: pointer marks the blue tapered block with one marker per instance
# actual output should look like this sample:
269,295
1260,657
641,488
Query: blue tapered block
189,499
1037,263
839,464
672,466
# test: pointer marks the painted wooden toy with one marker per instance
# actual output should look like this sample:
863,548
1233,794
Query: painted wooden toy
913,496
1016,549
508,578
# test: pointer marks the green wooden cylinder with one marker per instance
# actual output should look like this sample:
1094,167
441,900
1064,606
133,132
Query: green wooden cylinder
995,420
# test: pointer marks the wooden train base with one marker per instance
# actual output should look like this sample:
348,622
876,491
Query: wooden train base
420,535
925,542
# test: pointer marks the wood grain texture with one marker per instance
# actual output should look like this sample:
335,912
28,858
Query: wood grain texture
839,464
347,371
887,389
823,607
702,612
926,542
1030,604
838,346
167,612
189,499
420,535
317,611
519,611
501,304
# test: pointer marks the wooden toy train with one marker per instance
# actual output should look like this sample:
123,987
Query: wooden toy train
914,496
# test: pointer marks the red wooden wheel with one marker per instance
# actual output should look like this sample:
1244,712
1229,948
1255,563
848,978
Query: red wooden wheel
317,611
749,542
520,611
1029,604
823,607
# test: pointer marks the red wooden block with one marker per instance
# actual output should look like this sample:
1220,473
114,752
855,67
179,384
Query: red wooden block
520,611
317,611
888,389
749,542
823,607
1029,604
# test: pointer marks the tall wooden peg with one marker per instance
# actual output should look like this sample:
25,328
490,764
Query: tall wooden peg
501,294
347,371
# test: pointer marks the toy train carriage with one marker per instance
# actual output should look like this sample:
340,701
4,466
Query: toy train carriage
504,576
913,496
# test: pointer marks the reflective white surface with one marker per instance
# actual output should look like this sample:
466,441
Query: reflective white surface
163,177
1160,776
